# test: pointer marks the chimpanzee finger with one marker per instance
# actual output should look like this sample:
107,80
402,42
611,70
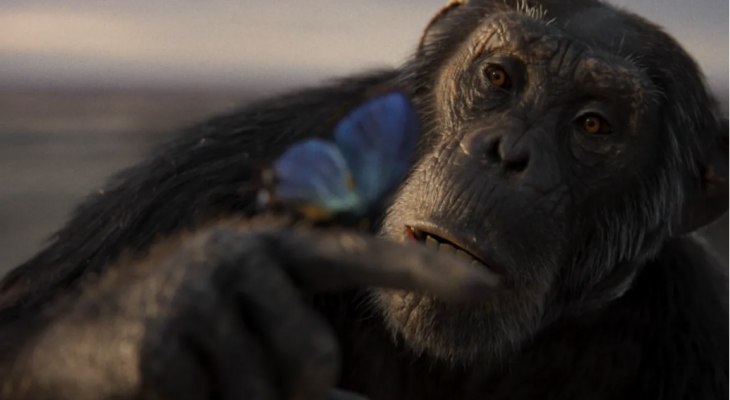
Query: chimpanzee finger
345,260
232,354
206,349
265,272
304,352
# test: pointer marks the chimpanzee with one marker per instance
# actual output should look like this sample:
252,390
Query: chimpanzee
569,150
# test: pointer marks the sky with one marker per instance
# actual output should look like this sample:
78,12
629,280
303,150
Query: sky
226,43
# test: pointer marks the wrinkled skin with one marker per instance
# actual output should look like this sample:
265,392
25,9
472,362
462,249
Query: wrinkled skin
516,159
569,152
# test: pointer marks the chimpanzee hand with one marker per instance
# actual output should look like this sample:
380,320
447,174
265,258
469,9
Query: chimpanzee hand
218,315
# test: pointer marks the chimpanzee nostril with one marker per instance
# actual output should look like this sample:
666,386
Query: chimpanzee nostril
512,156
517,162
493,153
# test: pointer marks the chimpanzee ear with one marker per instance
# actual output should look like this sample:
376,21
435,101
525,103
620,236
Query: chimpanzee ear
432,30
711,201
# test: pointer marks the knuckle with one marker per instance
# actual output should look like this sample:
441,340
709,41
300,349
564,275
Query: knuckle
324,350
319,352
318,371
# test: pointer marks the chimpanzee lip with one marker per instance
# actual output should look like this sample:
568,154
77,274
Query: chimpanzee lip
440,239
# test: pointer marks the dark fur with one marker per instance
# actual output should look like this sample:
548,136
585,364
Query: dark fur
612,296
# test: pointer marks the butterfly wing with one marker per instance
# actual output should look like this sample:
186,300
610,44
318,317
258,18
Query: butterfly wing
378,140
314,174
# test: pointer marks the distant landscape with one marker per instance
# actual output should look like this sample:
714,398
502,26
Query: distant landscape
56,147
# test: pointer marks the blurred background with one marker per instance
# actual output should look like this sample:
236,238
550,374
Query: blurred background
87,86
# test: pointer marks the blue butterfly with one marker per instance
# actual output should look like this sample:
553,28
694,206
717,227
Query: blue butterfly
372,152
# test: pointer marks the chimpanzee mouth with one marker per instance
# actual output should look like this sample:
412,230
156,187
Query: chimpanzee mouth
443,245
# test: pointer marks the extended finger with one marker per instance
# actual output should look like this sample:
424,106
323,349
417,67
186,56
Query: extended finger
305,353
331,262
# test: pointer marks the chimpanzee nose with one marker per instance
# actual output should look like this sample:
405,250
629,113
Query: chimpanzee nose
511,153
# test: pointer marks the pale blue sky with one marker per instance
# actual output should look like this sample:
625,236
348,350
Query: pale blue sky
172,43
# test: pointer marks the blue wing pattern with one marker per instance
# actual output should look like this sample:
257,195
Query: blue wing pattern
373,149
378,141
314,172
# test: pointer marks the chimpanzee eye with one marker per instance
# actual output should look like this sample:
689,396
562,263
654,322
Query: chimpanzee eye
594,124
498,77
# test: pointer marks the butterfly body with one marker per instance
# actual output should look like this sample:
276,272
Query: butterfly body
371,153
